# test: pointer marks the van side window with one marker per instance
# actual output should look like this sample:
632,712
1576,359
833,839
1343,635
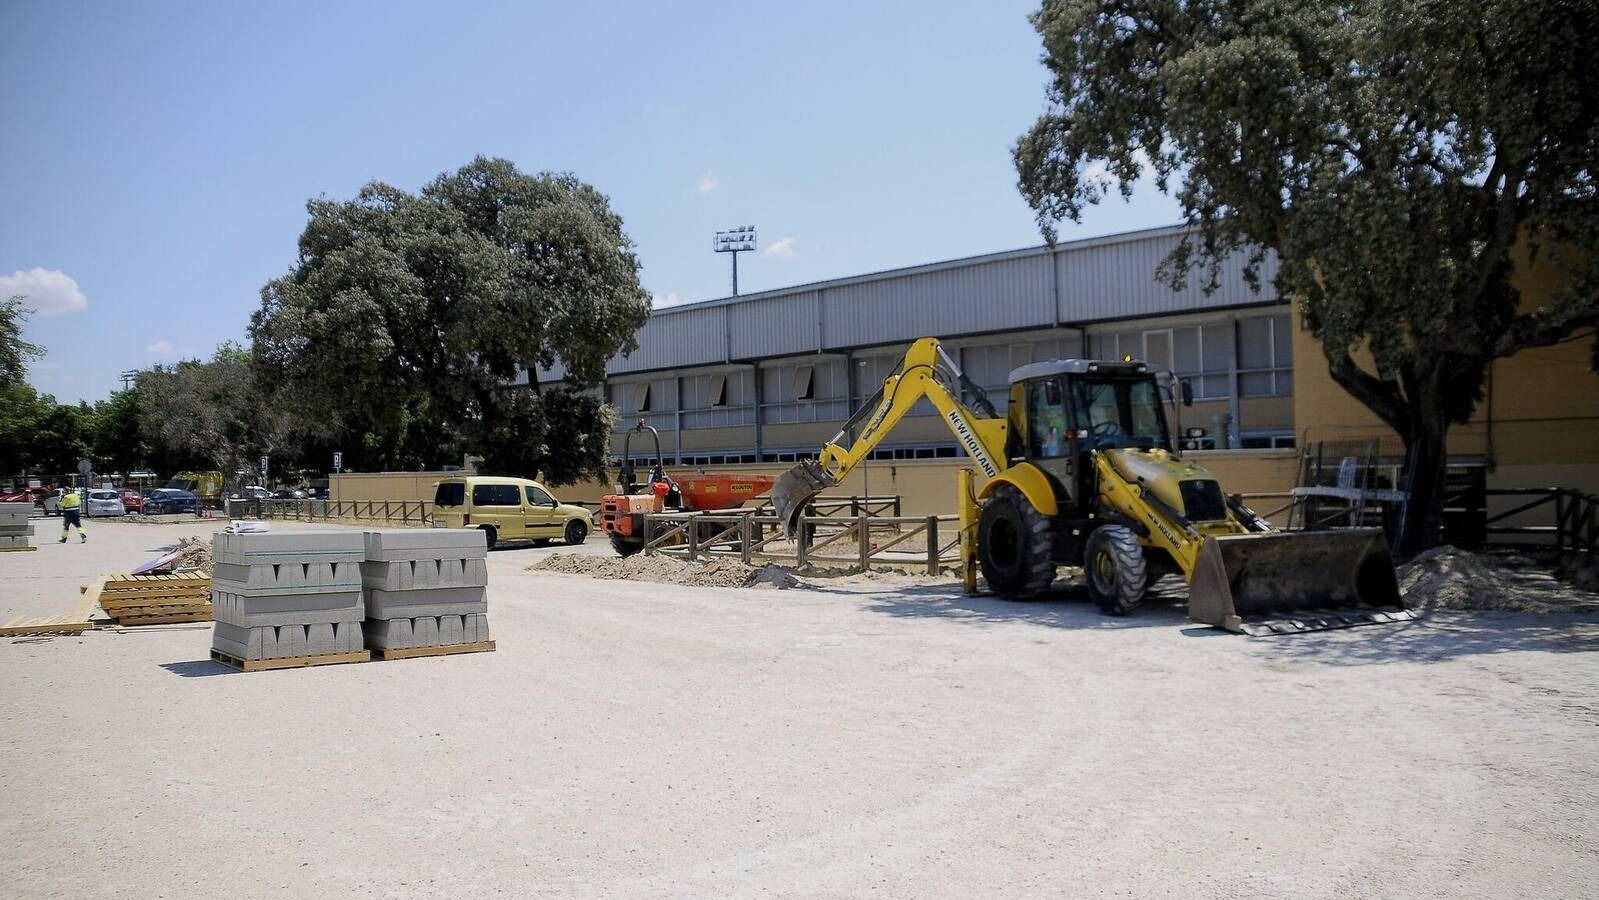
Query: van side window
450,493
537,497
496,495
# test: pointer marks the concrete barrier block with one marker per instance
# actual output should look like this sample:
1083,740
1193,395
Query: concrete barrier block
245,643
452,630
13,518
436,602
425,543
10,541
247,610
287,577
424,574
425,630
321,638
289,547
387,633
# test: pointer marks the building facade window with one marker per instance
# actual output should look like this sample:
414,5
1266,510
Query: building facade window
1265,357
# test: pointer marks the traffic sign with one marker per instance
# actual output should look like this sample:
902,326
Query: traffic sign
338,461
263,466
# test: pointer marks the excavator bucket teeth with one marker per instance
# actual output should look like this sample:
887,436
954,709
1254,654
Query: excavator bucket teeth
1288,582
795,488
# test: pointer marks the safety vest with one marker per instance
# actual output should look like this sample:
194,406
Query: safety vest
70,500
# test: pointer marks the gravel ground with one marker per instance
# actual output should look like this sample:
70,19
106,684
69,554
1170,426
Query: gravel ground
895,740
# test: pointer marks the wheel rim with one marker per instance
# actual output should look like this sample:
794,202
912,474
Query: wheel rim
574,532
1104,571
1003,545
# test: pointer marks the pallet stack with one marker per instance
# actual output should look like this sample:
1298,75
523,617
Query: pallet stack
426,592
288,599
14,526
155,599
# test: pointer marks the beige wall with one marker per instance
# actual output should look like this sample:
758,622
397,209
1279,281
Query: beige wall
385,485
1536,425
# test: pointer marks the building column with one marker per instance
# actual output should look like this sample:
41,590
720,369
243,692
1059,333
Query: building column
1234,440
760,416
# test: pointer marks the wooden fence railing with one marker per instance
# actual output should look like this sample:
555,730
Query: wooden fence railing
859,541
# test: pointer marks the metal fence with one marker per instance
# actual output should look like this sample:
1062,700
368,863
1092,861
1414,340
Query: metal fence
392,512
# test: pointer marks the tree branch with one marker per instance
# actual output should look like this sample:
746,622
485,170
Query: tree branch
1547,326
1381,396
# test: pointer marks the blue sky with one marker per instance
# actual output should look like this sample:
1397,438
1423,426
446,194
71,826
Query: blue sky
159,156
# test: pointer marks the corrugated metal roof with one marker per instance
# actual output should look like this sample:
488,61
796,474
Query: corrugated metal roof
1079,282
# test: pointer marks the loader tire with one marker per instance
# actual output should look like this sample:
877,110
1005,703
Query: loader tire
1013,546
626,546
1115,569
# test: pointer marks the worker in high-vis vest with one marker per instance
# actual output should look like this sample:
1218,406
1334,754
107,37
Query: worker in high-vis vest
71,503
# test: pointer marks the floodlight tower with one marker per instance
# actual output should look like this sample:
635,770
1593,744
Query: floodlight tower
735,241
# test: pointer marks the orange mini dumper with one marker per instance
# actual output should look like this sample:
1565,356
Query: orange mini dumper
622,515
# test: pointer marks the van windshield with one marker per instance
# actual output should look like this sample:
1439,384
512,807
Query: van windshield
450,493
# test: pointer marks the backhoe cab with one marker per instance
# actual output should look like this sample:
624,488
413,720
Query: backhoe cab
1083,471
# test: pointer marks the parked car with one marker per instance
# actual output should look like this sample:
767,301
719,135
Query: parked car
255,492
132,500
103,502
288,494
507,509
171,500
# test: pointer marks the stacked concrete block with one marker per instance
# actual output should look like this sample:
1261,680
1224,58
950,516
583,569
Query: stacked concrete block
14,525
287,594
425,587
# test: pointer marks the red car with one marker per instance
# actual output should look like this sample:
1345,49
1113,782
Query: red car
132,500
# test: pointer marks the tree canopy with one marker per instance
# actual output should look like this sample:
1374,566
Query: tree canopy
14,351
1401,157
399,332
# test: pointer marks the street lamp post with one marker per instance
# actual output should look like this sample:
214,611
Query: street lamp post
735,241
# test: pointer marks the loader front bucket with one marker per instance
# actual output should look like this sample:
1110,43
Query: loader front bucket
1286,582
795,488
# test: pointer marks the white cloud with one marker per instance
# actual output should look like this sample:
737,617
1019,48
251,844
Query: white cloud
707,183
50,292
161,348
782,248
670,299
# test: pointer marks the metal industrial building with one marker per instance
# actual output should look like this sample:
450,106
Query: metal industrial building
768,377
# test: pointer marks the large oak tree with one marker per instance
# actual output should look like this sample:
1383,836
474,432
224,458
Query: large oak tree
1403,158
399,332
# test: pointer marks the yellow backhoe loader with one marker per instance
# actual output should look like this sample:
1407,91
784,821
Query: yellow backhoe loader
1083,471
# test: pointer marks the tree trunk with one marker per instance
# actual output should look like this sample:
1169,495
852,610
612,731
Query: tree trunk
1426,452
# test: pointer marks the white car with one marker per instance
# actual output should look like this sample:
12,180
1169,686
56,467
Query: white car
104,503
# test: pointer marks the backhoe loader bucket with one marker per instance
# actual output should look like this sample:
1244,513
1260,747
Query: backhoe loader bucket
794,489
1286,582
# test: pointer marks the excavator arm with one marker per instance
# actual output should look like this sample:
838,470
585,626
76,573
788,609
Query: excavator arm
926,371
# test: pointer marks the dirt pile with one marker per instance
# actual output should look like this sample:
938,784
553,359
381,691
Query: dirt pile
668,570
1450,578
196,554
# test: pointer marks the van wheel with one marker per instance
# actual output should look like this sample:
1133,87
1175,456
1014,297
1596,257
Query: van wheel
576,532
490,535
1115,569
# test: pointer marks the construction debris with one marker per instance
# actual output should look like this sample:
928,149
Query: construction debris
426,592
716,572
1450,578
194,553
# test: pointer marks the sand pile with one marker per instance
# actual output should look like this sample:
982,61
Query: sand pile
718,572
1449,578
196,554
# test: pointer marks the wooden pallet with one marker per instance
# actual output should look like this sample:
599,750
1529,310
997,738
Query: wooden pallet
290,662
16,549
156,599
75,622
439,650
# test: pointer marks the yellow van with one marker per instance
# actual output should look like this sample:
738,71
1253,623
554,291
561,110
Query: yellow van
507,509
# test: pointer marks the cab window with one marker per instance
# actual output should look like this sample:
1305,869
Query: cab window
1046,419
496,495
538,497
449,494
